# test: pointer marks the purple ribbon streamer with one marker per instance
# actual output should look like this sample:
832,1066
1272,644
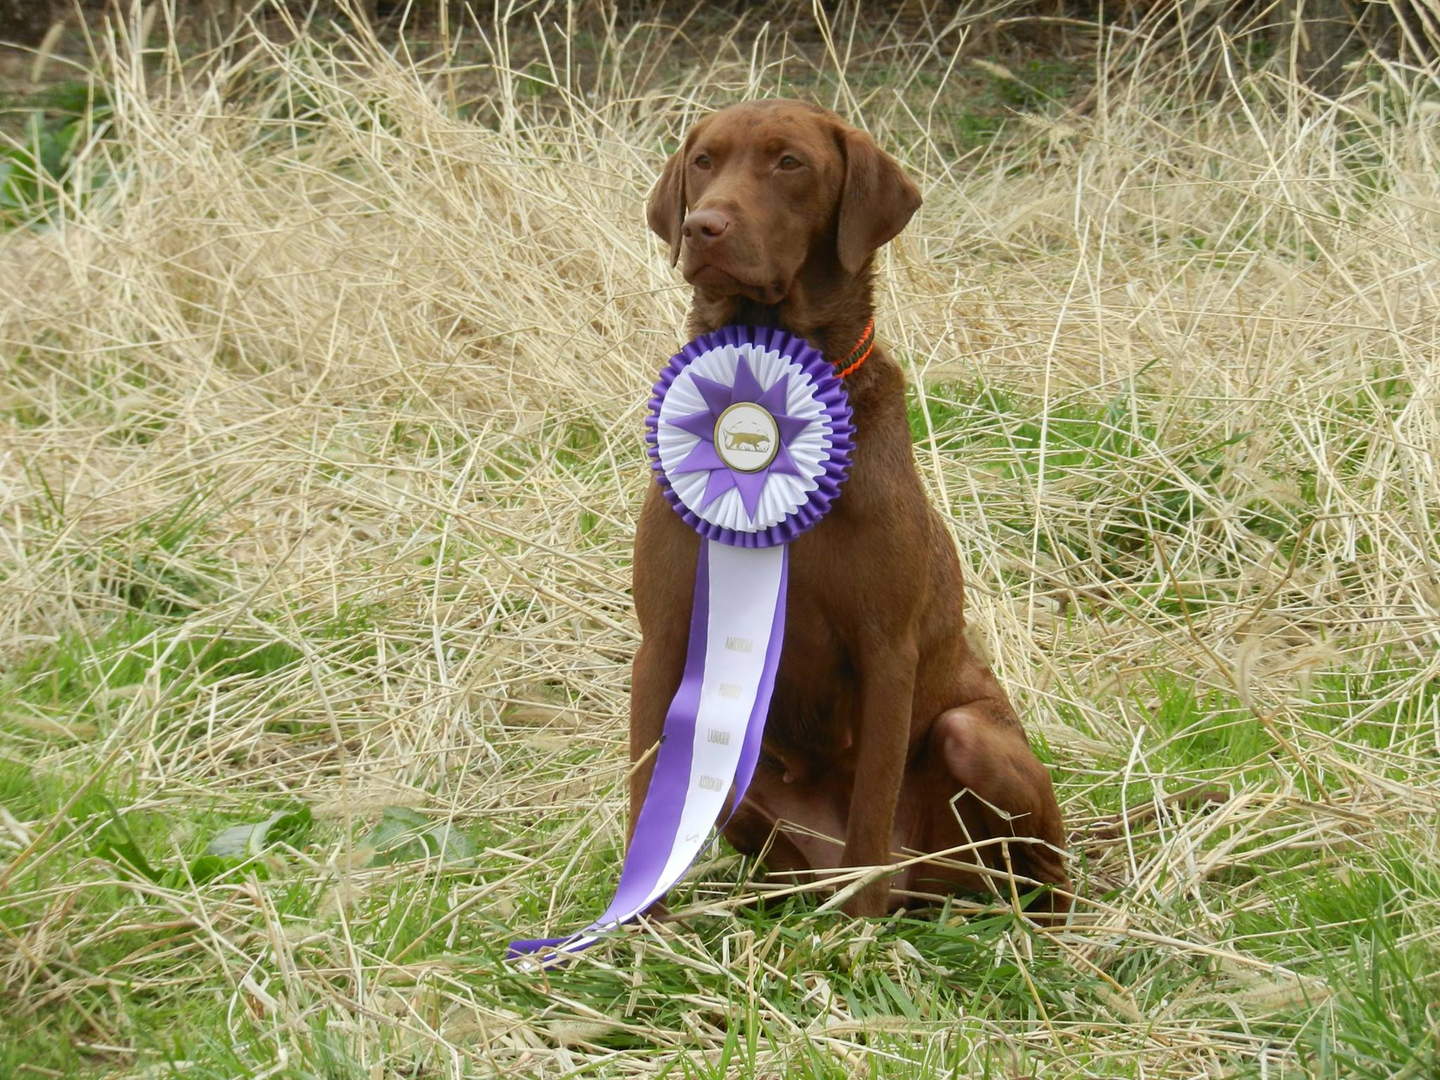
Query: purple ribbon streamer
659,817
755,730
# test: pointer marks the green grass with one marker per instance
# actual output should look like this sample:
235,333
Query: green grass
37,162
1354,916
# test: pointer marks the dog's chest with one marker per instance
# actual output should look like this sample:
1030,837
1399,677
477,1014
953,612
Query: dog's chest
815,683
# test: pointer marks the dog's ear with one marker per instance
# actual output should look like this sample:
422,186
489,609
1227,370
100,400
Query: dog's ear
665,212
877,201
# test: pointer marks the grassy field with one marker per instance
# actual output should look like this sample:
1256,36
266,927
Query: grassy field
322,369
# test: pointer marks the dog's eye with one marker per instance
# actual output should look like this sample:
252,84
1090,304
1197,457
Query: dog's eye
789,163
702,162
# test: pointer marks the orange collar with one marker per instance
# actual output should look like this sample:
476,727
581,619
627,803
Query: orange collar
859,354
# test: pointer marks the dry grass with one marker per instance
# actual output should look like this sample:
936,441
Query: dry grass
319,457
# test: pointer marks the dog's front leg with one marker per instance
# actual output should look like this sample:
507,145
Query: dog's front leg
887,685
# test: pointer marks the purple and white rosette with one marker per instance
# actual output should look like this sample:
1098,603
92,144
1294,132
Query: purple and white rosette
695,452
750,438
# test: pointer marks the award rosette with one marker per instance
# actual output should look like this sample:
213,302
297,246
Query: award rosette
750,437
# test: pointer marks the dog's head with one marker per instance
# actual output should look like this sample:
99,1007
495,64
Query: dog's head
759,191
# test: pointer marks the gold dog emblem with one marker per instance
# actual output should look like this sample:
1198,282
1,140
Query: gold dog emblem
747,440
746,437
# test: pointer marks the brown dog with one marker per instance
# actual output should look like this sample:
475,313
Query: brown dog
886,729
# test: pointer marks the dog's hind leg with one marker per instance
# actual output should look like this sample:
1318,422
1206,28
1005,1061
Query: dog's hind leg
1002,792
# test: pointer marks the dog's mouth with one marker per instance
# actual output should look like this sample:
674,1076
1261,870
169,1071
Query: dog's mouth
712,279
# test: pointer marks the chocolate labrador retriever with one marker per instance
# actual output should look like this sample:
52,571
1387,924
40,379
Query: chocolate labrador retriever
887,731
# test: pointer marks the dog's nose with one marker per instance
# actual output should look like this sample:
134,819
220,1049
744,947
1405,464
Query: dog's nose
705,226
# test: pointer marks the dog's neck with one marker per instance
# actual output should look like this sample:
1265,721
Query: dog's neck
828,308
